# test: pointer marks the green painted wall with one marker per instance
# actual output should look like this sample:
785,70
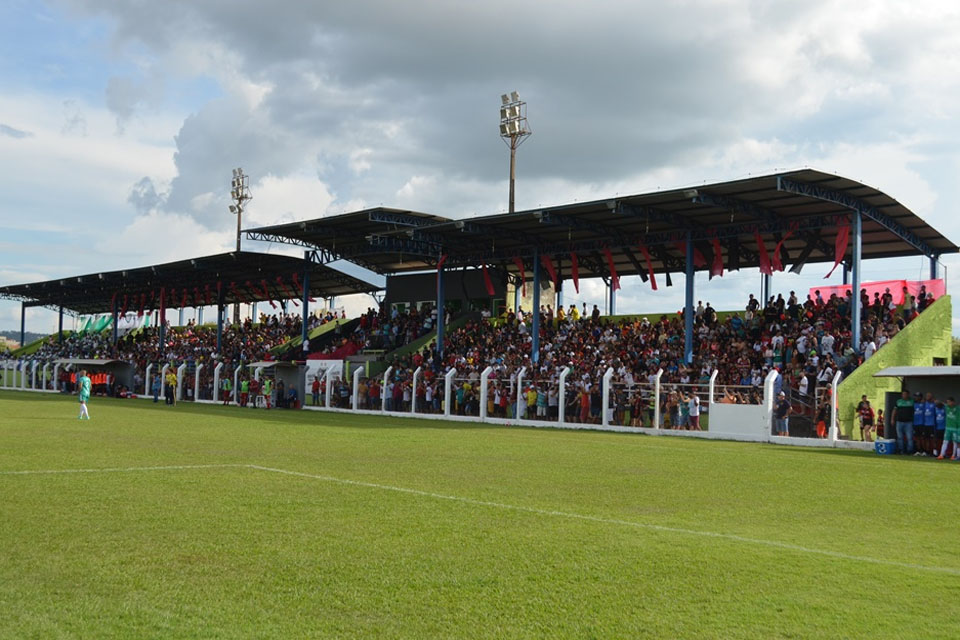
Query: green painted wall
929,336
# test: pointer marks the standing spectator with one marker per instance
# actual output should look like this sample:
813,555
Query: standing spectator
694,411
903,415
781,413
866,415
952,429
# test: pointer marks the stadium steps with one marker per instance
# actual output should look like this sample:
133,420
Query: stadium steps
926,338
347,326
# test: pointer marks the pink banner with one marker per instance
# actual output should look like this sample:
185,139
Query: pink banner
936,287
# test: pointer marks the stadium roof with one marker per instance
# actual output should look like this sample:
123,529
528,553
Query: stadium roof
801,209
243,276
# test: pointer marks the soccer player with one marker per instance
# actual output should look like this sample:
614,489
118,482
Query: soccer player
83,392
266,390
952,429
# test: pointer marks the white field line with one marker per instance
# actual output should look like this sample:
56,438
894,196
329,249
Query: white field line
500,505
176,467
626,523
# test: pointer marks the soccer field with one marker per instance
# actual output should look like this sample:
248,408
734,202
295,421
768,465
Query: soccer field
206,521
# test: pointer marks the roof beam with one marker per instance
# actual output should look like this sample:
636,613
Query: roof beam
402,219
851,202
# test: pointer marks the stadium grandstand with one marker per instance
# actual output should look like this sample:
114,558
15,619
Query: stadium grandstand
548,364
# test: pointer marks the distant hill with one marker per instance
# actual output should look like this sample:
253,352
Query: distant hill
29,336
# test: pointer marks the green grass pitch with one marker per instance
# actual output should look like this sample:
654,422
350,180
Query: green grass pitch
205,521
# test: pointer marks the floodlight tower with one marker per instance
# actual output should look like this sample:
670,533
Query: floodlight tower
513,131
240,194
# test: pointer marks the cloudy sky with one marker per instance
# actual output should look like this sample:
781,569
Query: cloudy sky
121,121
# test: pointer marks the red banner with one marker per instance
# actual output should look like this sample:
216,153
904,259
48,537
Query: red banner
123,311
206,292
487,283
548,265
650,274
777,263
840,244
699,261
183,298
765,266
575,271
717,268
523,278
296,283
614,278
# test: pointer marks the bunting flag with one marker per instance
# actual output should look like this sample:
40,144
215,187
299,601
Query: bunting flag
126,301
840,244
173,296
266,293
650,273
765,266
777,263
206,292
143,301
669,281
699,261
285,289
548,265
296,283
717,268
183,298
614,278
196,296
804,255
113,302
733,254
486,281
523,278
575,271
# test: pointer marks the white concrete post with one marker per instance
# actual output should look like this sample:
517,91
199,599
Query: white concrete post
236,384
328,392
163,376
712,387
46,369
196,383
656,399
383,389
447,386
216,381
521,401
413,390
256,373
484,391
835,407
146,379
605,390
356,388
562,398
768,395
33,375
180,371
23,375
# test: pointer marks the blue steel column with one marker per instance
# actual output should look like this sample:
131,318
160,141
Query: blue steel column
767,288
855,273
23,323
688,305
306,296
613,299
441,314
60,327
846,273
116,330
933,267
535,345
559,301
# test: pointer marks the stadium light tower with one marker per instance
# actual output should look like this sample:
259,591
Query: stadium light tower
240,194
513,131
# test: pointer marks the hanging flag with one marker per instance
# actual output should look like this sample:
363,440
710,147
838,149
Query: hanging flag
548,265
296,283
196,296
266,293
777,263
717,268
765,266
123,311
575,271
614,278
523,278
486,281
285,289
143,301
183,298
113,302
840,244
733,254
699,262
206,292
650,273
173,296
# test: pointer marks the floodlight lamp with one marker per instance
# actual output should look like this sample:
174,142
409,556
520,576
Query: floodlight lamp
233,209
504,129
513,112
239,172
691,193
514,96
505,99
504,113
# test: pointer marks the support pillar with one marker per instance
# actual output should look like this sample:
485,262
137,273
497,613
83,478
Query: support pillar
688,309
559,300
535,344
846,273
857,229
933,268
219,330
306,304
23,323
162,322
613,299
116,330
60,327
441,313
767,288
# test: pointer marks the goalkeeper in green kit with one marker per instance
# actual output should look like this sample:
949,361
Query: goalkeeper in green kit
83,391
